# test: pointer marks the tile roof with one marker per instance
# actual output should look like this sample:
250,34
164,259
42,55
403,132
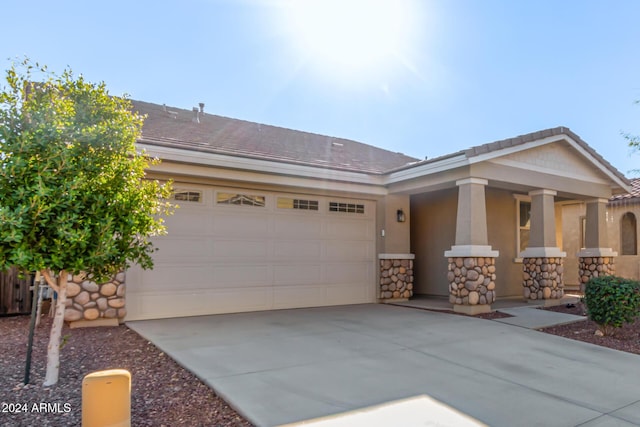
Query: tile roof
523,139
534,136
633,196
173,127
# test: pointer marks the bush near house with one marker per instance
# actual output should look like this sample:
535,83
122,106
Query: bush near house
612,301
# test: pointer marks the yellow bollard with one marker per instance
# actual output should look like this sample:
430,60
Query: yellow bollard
106,399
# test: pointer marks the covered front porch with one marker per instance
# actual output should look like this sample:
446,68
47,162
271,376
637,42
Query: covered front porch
488,227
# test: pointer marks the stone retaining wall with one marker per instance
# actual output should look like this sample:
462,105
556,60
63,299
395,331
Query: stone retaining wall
542,278
472,280
87,300
396,278
589,267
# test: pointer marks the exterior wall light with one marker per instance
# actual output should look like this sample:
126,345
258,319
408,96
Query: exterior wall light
400,215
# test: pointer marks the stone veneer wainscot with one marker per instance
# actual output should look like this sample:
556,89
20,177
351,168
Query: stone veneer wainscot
542,278
589,267
88,300
471,280
396,276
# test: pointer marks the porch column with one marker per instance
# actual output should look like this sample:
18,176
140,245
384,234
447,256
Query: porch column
472,270
596,259
542,259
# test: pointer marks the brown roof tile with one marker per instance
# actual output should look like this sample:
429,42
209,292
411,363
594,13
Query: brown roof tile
173,127
632,197
523,139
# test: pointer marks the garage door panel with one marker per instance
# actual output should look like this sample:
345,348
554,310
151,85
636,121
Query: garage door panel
348,272
346,294
153,305
239,275
222,259
302,226
233,224
352,250
349,229
301,249
240,248
176,276
296,274
175,248
299,296
188,222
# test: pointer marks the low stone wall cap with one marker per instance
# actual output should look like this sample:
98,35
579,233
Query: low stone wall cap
396,256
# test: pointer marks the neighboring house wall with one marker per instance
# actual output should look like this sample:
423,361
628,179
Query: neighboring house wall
572,226
627,263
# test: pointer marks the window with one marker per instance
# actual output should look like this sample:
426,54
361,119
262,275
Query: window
346,207
240,199
187,196
628,234
524,224
288,203
583,232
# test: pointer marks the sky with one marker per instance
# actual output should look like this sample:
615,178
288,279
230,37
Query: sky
425,78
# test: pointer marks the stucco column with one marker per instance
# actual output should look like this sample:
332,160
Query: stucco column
542,260
596,259
472,272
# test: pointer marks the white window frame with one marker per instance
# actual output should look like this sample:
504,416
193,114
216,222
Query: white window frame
305,199
247,193
356,206
189,191
519,198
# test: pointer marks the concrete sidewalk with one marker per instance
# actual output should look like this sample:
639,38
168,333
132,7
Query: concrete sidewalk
535,318
288,366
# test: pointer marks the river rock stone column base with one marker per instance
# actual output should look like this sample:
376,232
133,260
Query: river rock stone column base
396,279
90,301
542,278
589,267
472,283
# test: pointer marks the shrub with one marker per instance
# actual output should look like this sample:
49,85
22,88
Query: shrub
612,301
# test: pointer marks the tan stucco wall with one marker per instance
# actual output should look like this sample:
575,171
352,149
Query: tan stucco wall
571,215
501,227
396,234
433,228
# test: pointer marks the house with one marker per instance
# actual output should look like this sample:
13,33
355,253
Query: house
622,212
272,218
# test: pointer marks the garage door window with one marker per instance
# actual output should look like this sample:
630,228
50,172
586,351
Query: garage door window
289,203
346,207
187,196
240,199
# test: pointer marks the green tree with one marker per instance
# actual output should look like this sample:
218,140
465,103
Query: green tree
73,193
633,140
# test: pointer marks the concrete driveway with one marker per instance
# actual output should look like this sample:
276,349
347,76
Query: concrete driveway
287,366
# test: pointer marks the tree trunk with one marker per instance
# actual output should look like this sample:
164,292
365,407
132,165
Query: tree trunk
53,351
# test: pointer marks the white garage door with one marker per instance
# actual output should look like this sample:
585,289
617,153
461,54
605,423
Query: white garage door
230,250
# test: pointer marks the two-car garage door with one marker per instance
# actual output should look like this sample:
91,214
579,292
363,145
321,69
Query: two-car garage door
232,250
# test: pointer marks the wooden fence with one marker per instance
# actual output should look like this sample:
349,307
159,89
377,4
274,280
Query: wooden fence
15,296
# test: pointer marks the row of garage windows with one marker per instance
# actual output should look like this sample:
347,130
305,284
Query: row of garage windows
241,199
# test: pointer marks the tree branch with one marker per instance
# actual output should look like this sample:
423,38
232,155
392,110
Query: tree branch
50,281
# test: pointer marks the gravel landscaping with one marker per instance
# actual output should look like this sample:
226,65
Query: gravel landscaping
163,393
627,338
